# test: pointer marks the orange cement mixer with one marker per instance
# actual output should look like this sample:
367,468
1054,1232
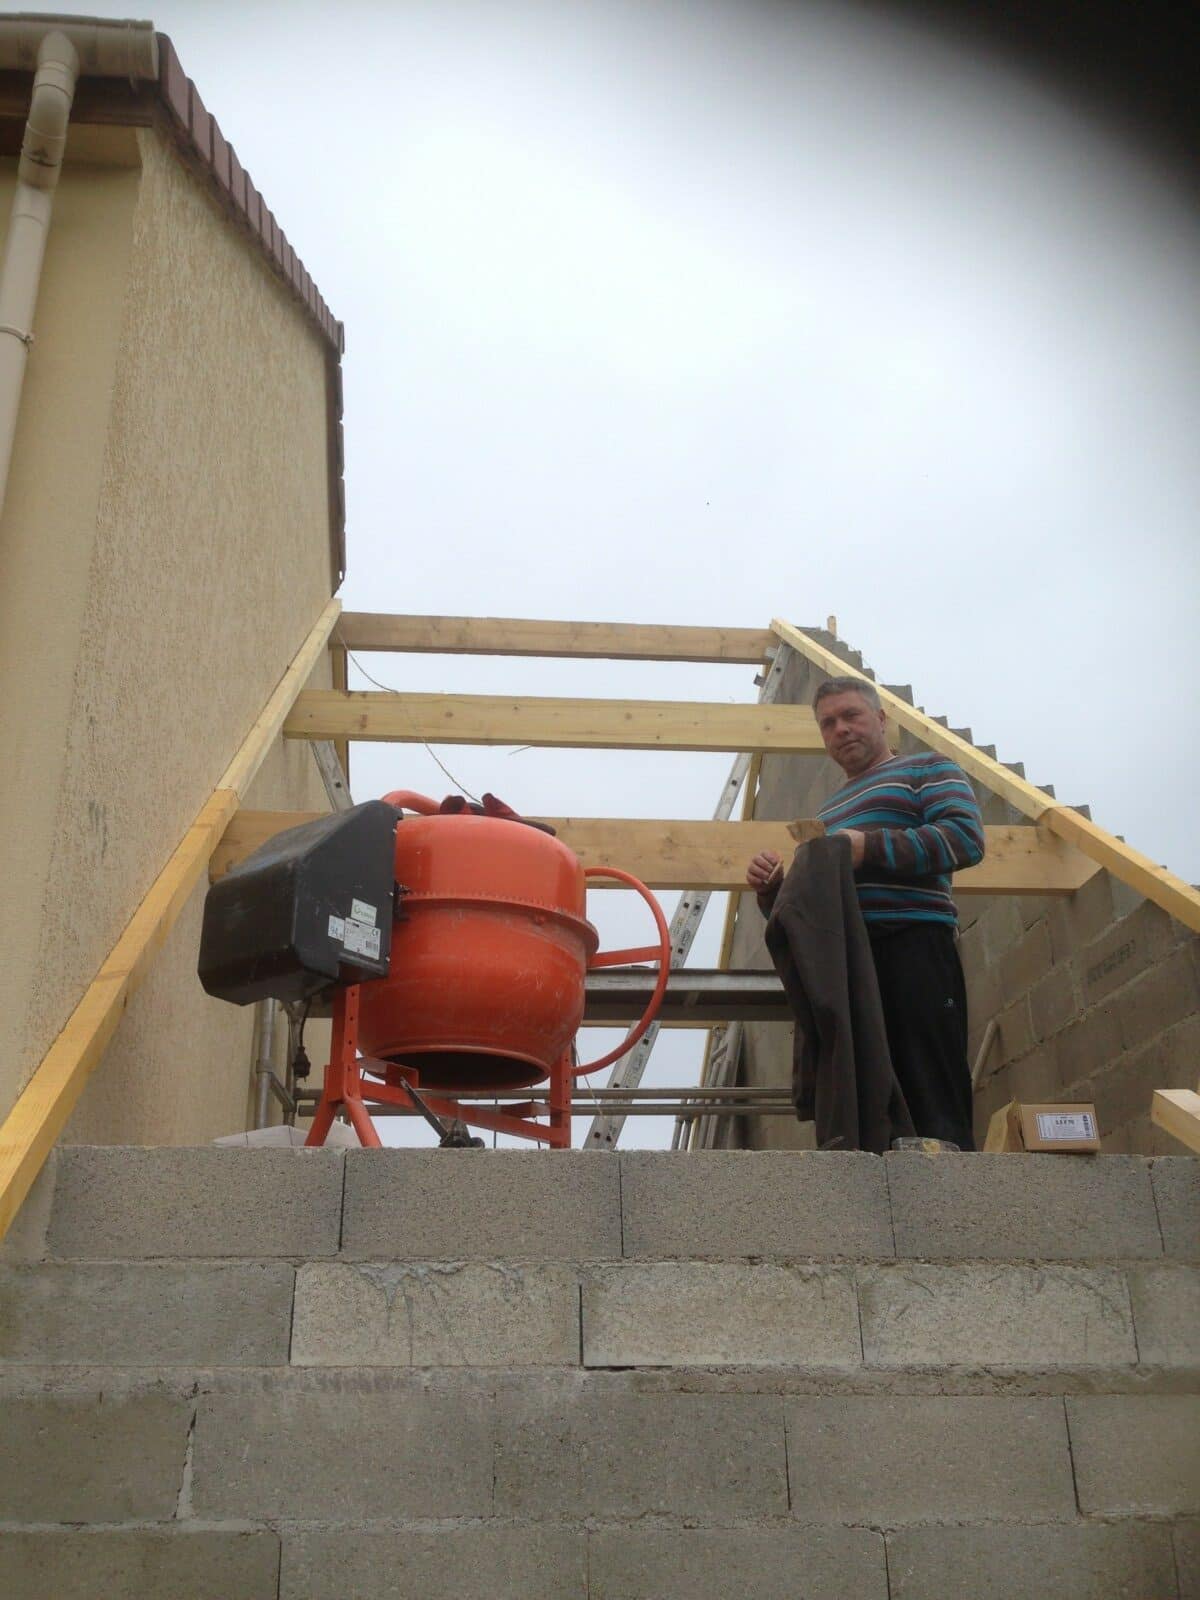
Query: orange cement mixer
485,987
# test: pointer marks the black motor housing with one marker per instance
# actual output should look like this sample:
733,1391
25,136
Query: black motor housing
309,909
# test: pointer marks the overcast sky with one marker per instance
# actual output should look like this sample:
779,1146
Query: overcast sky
708,313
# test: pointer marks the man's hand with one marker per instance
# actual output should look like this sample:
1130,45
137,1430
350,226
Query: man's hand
764,870
858,845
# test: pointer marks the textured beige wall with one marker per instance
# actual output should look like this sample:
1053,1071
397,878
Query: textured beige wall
195,558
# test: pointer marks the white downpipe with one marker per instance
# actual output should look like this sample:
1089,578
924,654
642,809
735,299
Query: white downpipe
58,49
37,177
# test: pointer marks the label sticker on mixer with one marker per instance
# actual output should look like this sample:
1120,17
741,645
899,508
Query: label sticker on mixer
337,928
362,912
361,940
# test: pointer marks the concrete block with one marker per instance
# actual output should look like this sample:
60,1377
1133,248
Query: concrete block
1002,927
1127,948
1124,1092
454,1205
138,1564
485,1562
1053,1001
1089,1045
206,1314
891,1459
26,1237
697,1313
1081,918
91,1457
1176,1181
763,1563
731,1203
1025,963
1016,1030
426,1315
1187,1559
1036,1076
995,1316
999,1561
401,1452
1166,993
1166,1314
620,1454
1014,1207
120,1202
1136,1454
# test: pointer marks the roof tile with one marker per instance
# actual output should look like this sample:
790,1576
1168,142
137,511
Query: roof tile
173,81
200,124
221,151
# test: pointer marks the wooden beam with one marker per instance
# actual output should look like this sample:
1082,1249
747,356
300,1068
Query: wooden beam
43,1107
713,855
1181,900
515,636
568,724
41,1111
1177,1112
339,679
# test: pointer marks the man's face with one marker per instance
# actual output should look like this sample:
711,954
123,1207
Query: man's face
855,734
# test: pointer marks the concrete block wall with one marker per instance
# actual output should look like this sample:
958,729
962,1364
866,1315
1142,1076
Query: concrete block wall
300,1375
1097,996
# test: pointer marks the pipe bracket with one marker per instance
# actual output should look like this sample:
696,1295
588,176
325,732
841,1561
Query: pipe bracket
25,338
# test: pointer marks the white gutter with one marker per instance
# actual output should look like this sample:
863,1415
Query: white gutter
60,48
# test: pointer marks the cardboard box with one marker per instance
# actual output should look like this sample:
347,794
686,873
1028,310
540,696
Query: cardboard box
1066,1128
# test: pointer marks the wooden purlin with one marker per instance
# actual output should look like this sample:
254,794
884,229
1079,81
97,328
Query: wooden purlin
551,723
516,636
43,1107
684,854
1179,899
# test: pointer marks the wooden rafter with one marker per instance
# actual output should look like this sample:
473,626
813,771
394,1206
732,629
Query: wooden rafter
515,636
669,854
572,724
1177,1112
1167,890
42,1109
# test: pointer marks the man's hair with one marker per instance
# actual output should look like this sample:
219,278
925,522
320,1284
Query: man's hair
862,686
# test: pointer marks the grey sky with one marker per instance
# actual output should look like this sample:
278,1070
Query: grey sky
710,313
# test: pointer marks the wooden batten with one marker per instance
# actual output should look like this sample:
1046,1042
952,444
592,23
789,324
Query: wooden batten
516,636
553,723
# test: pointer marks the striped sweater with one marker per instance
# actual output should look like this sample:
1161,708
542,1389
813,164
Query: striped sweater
921,824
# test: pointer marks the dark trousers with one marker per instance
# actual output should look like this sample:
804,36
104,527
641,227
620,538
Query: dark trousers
925,1010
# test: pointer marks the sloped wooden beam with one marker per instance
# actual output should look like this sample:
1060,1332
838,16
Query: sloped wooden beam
1176,897
713,855
1177,1112
41,1111
516,636
569,724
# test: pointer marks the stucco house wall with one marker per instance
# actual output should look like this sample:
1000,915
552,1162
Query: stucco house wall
166,549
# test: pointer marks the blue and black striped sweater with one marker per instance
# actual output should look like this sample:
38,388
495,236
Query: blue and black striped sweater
921,824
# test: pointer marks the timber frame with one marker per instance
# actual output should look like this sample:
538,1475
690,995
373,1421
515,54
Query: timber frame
1053,854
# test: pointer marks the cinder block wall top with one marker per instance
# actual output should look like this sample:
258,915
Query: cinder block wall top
166,548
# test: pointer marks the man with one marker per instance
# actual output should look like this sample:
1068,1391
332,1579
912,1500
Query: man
910,821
